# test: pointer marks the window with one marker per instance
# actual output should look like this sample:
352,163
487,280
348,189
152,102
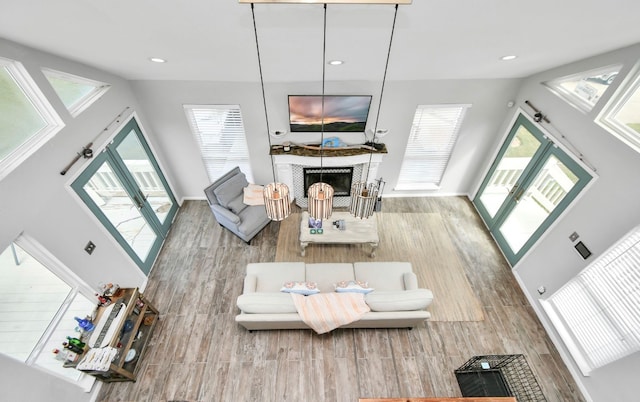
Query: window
597,313
583,90
621,117
77,93
433,135
26,119
40,299
219,132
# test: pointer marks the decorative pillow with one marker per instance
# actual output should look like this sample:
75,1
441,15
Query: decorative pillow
353,287
302,288
254,194
230,189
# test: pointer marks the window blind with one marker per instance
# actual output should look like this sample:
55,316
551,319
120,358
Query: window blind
219,132
433,134
597,313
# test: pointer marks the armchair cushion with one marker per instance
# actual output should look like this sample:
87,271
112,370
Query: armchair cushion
237,205
228,191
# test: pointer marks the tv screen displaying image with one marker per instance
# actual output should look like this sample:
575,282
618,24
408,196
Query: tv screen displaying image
342,113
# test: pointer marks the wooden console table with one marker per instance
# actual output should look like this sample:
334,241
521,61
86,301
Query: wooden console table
358,231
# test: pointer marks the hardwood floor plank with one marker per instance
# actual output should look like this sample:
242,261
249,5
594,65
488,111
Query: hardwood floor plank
198,353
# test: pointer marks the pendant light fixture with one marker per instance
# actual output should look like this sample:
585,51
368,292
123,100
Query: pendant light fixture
320,194
363,194
276,195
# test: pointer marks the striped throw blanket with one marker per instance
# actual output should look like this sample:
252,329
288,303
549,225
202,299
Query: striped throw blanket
324,312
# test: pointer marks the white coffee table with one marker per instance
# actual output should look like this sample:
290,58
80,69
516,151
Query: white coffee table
358,231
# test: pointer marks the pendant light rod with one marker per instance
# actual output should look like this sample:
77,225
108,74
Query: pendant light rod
264,98
324,52
384,80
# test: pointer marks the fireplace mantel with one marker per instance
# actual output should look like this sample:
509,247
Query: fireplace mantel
289,169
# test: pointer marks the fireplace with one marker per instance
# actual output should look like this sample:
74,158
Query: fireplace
337,177
291,171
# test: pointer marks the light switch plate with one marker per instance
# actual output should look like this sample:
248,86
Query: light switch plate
90,247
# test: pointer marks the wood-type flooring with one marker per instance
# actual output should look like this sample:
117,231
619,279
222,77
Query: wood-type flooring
199,353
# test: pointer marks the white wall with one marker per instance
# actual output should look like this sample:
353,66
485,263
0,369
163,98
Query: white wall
606,211
35,199
163,102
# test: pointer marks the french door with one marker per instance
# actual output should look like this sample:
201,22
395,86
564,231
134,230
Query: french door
124,187
528,186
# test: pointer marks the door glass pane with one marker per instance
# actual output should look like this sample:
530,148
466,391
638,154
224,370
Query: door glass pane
521,149
108,193
144,173
548,189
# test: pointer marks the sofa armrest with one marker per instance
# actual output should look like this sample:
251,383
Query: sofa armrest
410,281
250,284
225,214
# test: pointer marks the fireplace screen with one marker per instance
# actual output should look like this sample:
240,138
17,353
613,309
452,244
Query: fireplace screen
339,178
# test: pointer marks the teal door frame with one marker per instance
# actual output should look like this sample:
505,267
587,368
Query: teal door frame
546,150
111,157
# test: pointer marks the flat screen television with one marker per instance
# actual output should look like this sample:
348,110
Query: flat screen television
342,113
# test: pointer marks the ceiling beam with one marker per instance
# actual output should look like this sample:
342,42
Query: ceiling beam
329,1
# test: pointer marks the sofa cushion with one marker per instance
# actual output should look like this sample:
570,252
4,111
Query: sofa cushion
382,275
326,275
266,303
230,189
405,300
271,275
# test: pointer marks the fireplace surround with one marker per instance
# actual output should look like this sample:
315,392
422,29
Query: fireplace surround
290,171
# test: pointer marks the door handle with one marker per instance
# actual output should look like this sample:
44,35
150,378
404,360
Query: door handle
518,196
513,189
137,201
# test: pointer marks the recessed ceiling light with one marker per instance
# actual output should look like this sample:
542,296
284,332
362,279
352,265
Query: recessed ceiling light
336,62
509,57
157,60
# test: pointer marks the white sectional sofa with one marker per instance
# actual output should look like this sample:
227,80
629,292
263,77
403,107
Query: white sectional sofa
396,302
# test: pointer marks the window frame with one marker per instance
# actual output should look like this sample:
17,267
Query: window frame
41,105
78,287
606,118
593,293
244,164
555,86
100,88
409,183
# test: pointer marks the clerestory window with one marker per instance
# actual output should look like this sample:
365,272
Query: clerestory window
77,93
27,120
621,116
583,90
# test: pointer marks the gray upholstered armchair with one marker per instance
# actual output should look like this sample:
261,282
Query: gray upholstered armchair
225,198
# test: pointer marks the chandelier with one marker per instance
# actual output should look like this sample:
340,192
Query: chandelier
320,194
364,195
276,195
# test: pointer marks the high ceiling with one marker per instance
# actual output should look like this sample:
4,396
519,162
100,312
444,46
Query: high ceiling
214,39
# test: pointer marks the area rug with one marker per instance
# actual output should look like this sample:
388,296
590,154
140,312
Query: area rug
420,238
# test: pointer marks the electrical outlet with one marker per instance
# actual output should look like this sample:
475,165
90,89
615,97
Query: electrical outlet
574,236
89,247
